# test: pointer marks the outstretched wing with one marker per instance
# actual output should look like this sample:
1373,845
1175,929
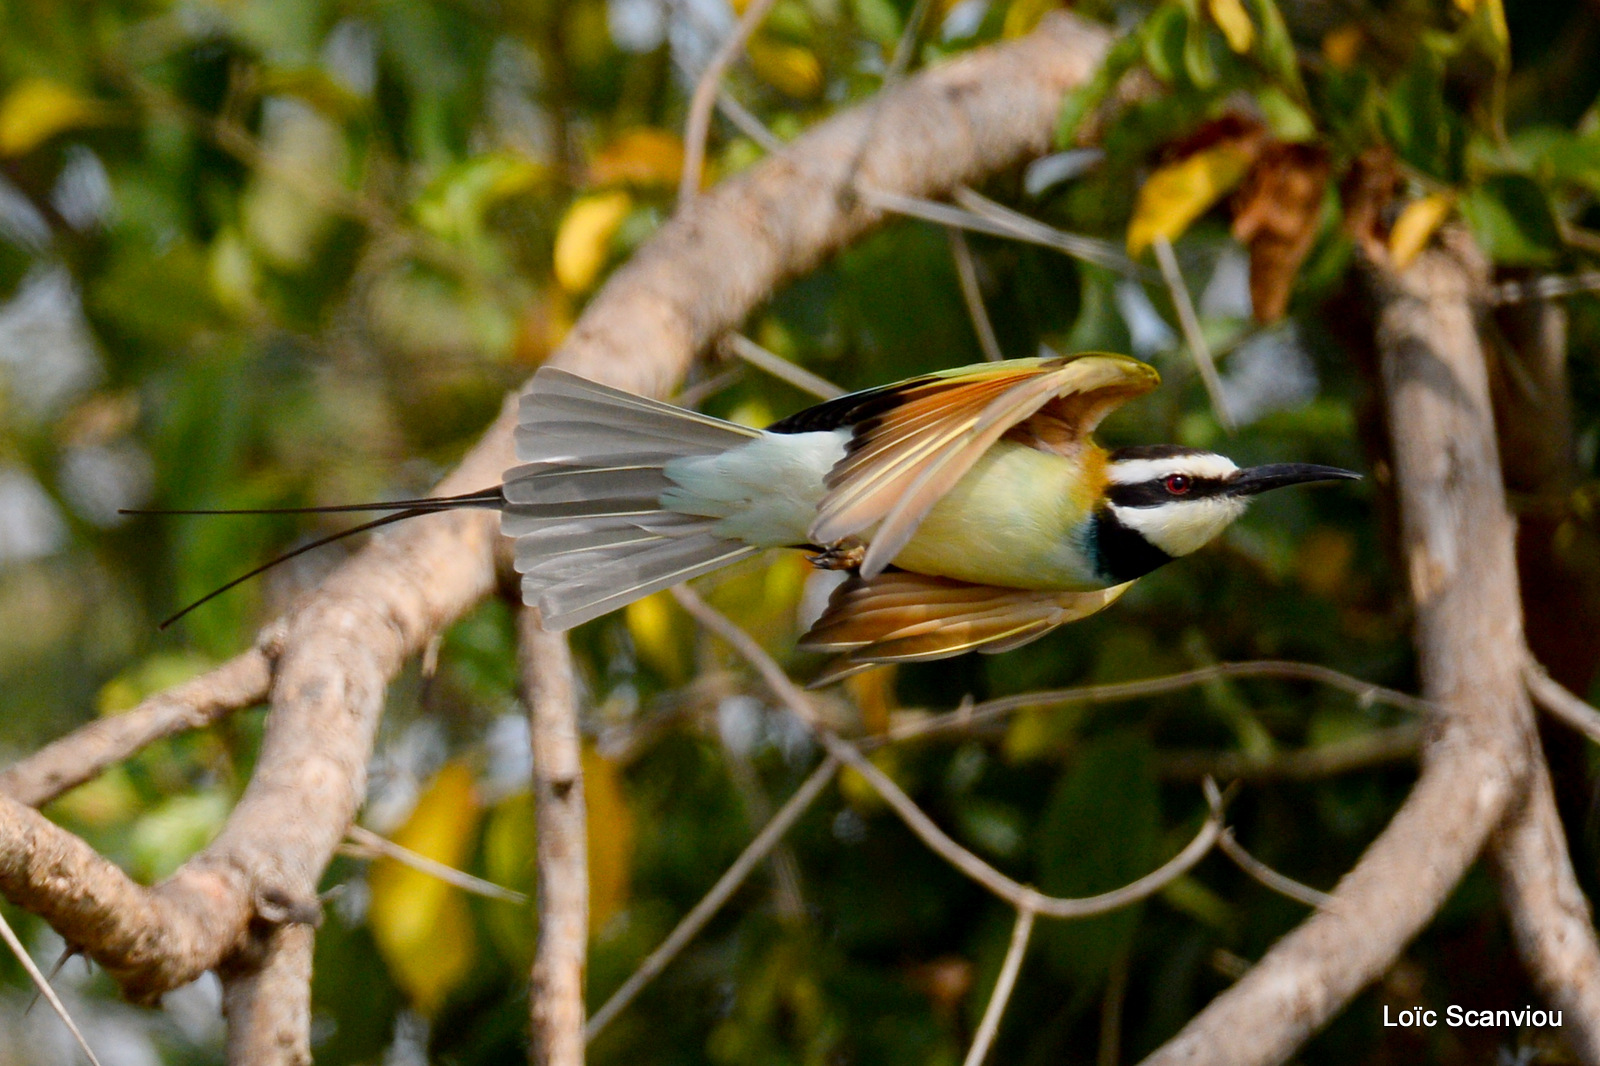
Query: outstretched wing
904,617
913,441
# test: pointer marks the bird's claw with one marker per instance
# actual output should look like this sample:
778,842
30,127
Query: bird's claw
846,555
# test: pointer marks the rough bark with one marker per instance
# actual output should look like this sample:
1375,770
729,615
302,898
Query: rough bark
1458,545
707,269
556,993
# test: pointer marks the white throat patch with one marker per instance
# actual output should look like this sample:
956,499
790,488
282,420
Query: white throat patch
1182,526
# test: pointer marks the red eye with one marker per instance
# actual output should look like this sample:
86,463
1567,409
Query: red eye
1177,484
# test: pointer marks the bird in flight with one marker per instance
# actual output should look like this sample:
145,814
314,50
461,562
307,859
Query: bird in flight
971,508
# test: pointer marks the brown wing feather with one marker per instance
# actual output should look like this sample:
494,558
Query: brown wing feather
904,459
905,617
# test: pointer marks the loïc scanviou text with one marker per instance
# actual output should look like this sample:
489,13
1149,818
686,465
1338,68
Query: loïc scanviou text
1458,1017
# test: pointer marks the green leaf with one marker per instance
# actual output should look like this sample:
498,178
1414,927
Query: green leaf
1511,216
1198,62
1100,830
1551,154
1163,38
1276,49
878,20
1415,116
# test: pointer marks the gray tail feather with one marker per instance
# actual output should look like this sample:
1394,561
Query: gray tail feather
585,505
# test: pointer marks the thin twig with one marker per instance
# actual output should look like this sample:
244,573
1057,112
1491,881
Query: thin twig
701,391
1381,747
990,1025
1014,892
1001,885
698,127
1266,875
1111,1007
10,937
967,274
1553,696
365,844
1546,288
779,367
1189,322
1091,249
998,221
713,900
747,123
556,984
964,717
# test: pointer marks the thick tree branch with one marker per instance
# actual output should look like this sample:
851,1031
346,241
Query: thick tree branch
1457,540
85,753
703,273
1550,917
267,1000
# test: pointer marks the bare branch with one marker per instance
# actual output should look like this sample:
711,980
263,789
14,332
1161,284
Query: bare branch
98,909
1551,919
1015,893
89,751
556,989
1382,747
1550,287
699,276
1457,543
967,274
1553,696
780,368
43,985
1266,875
698,127
687,929
365,844
266,999
1193,335
990,1025
998,221
965,717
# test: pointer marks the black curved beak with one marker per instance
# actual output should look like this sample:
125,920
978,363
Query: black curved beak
1258,479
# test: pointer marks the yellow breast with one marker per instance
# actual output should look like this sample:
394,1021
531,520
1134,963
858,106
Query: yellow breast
1016,519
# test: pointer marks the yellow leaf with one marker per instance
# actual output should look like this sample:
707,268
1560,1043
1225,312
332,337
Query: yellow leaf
1342,46
1178,193
1495,12
104,801
1416,225
788,67
640,156
584,238
155,674
610,839
1231,17
510,846
663,636
873,693
421,925
38,109
1023,15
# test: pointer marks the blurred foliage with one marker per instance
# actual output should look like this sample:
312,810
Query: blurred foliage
284,252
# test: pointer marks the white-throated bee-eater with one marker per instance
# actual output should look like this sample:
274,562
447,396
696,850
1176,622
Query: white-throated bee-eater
971,506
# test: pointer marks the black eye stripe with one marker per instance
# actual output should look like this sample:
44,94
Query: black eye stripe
1155,493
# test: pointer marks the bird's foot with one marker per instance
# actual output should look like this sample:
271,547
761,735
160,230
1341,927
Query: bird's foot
846,555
